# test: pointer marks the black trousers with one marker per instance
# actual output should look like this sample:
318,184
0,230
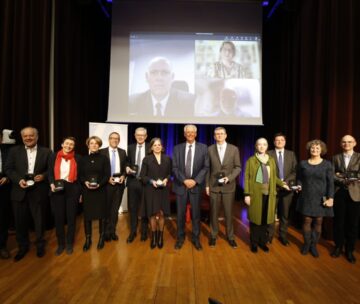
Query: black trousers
33,204
258,233
135,202
64,207
346,220
283,203
114,198
5,214
181,201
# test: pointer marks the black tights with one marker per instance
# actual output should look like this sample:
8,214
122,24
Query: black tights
316,221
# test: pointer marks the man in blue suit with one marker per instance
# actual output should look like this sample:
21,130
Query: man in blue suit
190,166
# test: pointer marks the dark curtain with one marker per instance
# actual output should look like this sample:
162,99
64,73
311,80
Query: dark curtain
82,59
25,31
311,72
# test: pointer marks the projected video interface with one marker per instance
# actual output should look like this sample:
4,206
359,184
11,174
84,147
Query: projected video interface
195,75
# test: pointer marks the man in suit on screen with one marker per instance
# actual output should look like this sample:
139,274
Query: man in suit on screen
347,198
190,166
161,99
27,167
286,169
221,184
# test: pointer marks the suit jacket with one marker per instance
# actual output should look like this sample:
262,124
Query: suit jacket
180,104
122,158
231,167
200,168
131,160
339,168
16,168
4,153
290,164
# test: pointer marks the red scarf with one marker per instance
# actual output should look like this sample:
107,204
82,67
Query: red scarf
73,166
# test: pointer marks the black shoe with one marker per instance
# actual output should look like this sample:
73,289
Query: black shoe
20,254
197,245
270,240
212,242
87,244
160,240
350,257
101,242
253,248
153,241
40,251
144,236
69,249
59,250
131,237
179,243
4,253
284,241
233,244
108,237
313,251
114,236
264,248
336,252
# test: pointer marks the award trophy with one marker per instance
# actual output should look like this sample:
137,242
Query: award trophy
352,176
159,183
59,185
29,178
220,178
93,181
293,186
116,177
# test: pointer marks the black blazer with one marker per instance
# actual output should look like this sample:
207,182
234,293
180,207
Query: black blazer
131,160
16,168
122,157
290,164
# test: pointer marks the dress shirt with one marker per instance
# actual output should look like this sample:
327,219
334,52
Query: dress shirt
163,103
221,150
31,156
347,158
64,169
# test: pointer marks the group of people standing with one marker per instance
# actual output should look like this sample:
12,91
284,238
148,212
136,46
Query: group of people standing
98,180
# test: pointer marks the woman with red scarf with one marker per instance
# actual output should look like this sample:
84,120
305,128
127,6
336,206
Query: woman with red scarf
65,193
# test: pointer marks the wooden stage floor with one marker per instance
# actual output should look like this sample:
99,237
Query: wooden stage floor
133,273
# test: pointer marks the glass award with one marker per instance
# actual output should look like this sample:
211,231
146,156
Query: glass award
29,178
93,181
59,185
220,178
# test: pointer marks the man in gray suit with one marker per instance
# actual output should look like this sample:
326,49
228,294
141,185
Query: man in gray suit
286,170
190,166
347,198
221,183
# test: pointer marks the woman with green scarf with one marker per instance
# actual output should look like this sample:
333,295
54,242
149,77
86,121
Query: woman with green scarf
260,194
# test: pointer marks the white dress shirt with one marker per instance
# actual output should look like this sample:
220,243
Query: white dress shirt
31,156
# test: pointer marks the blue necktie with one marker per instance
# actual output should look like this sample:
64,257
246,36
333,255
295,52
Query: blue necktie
113,162
281,166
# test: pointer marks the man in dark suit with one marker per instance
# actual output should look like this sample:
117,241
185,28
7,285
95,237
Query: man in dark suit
221,184
347,198
136,154
190,166
116,184
161,100
5,204
286,171
27,167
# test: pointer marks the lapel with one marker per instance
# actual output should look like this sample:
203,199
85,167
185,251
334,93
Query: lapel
342,162
353,160
38,157
24,159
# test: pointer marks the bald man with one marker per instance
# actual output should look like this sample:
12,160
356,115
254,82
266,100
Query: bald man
161,99
347,198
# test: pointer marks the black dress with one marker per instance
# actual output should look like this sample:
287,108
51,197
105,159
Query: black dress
156,199
317,182
94,165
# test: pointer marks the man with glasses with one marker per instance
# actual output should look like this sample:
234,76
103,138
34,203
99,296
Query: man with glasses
161,99
347,198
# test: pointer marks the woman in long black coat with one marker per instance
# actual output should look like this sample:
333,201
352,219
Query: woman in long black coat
94,175
155,174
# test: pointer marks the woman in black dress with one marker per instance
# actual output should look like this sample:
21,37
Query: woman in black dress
155,174
65,192
316,183
94,175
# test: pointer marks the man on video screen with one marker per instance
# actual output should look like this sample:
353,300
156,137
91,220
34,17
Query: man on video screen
162,98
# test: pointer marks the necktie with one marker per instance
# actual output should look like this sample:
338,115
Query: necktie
158,109
188,163
281,166
138,160
113,163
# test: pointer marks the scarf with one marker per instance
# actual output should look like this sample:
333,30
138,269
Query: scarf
263,173
73,166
